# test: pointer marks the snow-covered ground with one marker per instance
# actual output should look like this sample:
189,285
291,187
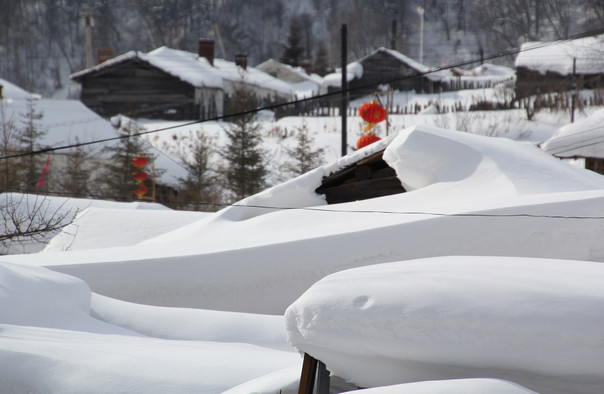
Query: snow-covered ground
483,277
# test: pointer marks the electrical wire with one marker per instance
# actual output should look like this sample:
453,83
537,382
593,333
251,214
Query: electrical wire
307,99
326,209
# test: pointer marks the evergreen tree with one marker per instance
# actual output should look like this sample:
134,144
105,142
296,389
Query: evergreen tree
198,188
321,60
8,146
245,170
75,179
293,50
29,141
115,179
302,157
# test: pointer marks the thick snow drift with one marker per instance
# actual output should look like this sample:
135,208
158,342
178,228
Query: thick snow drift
50,343
263,253
457,386
585,138
537,322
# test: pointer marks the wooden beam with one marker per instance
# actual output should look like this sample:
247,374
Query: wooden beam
307,378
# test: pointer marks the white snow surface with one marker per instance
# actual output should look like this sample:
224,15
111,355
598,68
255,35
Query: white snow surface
585,138
456,386
50,343
120,318
292,239
458,317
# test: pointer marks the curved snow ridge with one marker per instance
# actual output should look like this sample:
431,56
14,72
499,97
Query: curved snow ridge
424,155
431,317
457,386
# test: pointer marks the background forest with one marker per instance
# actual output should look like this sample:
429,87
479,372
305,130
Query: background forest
43,41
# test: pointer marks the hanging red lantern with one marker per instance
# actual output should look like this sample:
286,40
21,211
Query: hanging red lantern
139,176
139,161
140,190
367,139
372,112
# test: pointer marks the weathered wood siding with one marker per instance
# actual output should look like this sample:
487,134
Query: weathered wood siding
530,82
137,89
382,67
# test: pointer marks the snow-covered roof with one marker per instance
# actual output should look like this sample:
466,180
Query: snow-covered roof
558,56
296,74
584,138
354,70
195,70
10,90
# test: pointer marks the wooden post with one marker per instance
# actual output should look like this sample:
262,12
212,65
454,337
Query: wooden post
307,379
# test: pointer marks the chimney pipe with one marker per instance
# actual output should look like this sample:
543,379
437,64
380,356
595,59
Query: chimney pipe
306,65
241,60
206,49
103,54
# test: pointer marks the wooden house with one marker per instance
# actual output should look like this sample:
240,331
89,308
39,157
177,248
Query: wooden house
173,84
369,177
385,66
544,68
388,67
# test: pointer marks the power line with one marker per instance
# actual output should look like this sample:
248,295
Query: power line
379,212
308,99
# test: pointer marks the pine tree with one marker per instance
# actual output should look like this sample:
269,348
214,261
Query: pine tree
29,141
321,60
8,146
115,179
198,188
245,170
293,50
75,179
302,157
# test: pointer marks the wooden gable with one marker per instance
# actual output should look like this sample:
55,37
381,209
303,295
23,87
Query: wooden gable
368,178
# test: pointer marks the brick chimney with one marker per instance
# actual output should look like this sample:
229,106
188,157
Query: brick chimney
306,65
103,54
241,60
206,49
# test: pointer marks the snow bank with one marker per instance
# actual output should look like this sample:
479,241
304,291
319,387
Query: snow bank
423,156
50,343
89,229
531,321
585,138
458,386
193,324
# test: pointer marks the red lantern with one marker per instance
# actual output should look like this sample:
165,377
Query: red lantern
372,112
140,190
139,176
139,161
367,139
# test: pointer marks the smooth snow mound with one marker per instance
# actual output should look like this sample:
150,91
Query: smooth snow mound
459,386
456,317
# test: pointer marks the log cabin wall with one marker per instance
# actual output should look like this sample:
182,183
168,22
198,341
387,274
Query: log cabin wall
137,89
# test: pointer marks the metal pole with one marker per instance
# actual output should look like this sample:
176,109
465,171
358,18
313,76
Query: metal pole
574,87
420,10
344,96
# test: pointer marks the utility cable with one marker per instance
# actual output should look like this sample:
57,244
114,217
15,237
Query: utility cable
307,99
